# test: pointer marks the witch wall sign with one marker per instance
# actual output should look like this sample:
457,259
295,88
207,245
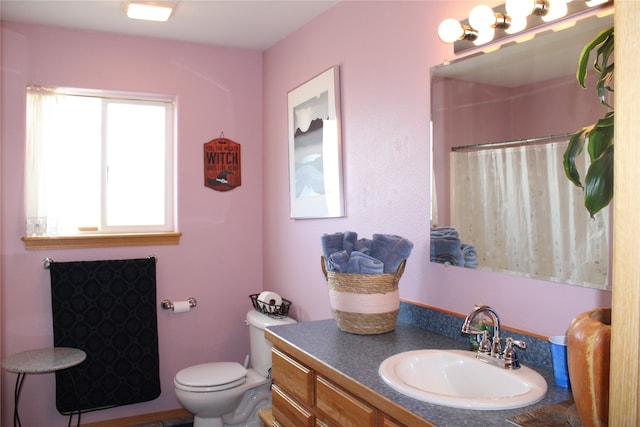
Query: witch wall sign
222,164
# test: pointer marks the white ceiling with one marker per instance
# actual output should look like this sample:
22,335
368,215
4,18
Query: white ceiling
248,24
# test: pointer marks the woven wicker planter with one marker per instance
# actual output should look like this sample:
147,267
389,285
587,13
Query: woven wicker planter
364,304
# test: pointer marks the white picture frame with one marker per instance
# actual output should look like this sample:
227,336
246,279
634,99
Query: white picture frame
315,148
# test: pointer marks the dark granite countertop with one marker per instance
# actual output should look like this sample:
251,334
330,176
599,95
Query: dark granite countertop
358,357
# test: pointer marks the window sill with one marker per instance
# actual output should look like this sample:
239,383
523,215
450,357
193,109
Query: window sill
101,240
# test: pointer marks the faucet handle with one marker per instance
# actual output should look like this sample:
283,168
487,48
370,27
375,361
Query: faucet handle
510,356
484,346
518,343
496,348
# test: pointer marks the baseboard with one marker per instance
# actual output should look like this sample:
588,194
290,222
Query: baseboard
140,419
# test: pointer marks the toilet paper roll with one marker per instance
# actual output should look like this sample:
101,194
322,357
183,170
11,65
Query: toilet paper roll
181,306
268,300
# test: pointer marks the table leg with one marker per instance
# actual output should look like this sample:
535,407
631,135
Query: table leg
77,399
16,399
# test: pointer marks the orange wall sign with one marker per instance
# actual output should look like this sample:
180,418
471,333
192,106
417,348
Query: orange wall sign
222,164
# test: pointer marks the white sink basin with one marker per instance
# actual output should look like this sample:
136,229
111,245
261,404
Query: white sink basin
456,378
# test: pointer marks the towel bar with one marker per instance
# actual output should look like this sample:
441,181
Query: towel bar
46,263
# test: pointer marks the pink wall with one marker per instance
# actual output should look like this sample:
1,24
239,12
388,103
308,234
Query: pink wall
385,51
219,259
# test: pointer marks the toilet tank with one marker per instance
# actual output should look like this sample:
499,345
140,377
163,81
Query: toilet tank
260,347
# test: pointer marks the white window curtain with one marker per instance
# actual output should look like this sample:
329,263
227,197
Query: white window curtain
518,209
40,124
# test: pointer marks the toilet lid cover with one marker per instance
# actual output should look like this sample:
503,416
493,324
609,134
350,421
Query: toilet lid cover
211,374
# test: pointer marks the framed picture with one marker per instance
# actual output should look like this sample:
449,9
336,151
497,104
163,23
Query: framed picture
315,148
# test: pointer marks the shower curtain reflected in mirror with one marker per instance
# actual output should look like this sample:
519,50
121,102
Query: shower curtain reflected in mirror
518,209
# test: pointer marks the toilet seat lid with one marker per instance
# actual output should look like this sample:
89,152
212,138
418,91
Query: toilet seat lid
218,375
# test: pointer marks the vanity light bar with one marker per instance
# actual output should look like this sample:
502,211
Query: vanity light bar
485,24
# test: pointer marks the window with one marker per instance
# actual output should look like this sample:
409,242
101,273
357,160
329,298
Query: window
98,163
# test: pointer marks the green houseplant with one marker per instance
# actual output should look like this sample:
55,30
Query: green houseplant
598,137
588,336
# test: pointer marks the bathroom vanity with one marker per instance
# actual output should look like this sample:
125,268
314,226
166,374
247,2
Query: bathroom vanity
325,377
305,397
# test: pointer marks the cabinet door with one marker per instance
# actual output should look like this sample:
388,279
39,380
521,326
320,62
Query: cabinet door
386,421
339,408
293,377
287,412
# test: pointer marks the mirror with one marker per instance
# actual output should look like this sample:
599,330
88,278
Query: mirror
512,207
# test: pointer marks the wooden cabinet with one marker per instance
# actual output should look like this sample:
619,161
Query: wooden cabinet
292,377
308,396
385,421
341,408
287,412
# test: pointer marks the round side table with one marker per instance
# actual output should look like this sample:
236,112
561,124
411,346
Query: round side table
42,361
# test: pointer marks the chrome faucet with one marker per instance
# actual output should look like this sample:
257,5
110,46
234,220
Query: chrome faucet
467,328
491,351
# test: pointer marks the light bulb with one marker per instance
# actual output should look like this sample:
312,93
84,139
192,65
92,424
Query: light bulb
517,24
482,17
450,30
557,9
485,35
519,8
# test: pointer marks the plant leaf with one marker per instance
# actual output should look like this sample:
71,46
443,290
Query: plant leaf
604,52
605,69
603,85
598,182
586,51
598,189
574,149
600,137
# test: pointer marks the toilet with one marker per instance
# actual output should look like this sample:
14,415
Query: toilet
223,394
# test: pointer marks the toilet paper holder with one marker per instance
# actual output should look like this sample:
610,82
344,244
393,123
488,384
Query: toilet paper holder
168,305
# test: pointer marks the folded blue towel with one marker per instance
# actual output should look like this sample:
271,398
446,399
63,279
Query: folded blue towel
349,241
470,255
446,249
363,245
391,250
360,263
337,261
446,258
332,243
444,231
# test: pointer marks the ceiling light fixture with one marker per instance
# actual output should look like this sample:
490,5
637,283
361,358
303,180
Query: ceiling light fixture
149,10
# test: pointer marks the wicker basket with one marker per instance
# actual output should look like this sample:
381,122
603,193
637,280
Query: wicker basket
364,304
276,311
